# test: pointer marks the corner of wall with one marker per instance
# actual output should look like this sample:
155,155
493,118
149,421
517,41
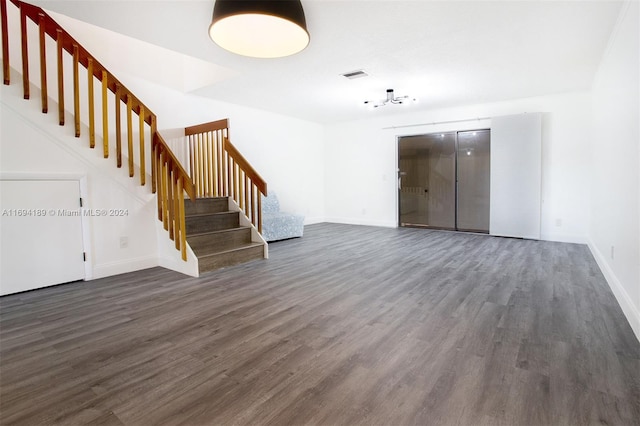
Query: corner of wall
624,300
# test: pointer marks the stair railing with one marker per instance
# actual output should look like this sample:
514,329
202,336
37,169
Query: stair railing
172,181
218,169
169,179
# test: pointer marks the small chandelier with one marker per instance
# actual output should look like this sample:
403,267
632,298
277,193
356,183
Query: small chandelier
259,28
391,99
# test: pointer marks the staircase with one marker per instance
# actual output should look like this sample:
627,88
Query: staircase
222,221
216,237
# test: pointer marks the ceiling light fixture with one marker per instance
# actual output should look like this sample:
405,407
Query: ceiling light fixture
259,28
391,98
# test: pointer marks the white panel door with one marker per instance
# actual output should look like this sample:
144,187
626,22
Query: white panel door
516,167
40,234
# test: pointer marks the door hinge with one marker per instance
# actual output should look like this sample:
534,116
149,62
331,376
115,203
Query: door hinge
84,256
80,201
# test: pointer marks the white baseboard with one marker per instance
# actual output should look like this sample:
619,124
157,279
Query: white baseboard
123,266
313,220
564,238
624,300
365,222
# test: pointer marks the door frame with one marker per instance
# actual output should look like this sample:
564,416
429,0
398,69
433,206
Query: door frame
82,183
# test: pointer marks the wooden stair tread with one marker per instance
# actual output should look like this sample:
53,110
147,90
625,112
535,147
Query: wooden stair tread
221,231
232,250
209,214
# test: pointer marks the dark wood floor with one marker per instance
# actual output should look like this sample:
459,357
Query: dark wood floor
348,325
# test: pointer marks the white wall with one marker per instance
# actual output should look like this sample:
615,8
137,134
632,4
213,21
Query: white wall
615,178
33,145
361,161
287,152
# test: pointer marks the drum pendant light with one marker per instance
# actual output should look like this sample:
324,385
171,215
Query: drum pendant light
259,28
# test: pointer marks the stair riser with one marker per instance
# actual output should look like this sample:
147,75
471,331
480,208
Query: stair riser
206,205
210,243
210,263
217,222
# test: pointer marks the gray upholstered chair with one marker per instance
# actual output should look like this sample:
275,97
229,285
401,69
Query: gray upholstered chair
278,225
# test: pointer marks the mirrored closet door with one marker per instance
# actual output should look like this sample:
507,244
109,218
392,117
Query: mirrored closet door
443,180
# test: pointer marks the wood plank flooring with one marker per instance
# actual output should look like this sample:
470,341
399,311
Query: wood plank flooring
349,325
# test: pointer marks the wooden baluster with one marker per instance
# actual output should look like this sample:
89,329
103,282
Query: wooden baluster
25,52
195,173
158,167
216,169
118,126
105,115
211,144
212,163
43,64
59,42
92,118
76,89
236,181
259,224
253,204
181,219
246,195
191,148
230,175
143,165
201,160
169,206
163,165
6,70
154,169
212,172
241,190
196,163
223,168
218,184
176,210
205,164
130,134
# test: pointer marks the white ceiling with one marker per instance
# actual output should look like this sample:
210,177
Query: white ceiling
444,53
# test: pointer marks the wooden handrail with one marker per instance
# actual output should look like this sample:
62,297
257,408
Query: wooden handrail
207,127
169,179
245,166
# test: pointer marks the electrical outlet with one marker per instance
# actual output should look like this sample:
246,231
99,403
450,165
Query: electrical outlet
612,252
124,242
558,222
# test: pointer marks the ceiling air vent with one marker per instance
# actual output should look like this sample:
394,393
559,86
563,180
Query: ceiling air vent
355,74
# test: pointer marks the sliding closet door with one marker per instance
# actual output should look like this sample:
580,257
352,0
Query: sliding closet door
427,180
474,160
